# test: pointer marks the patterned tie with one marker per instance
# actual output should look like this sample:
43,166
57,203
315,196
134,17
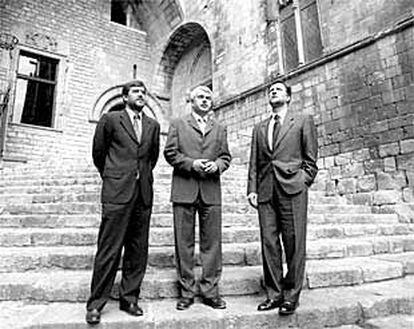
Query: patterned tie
276,129
137,127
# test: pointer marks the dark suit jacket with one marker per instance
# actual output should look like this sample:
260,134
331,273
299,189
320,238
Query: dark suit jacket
118,156
185,143
292,162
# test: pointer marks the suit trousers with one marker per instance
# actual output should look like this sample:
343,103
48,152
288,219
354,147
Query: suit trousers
210,247
123,226
285,217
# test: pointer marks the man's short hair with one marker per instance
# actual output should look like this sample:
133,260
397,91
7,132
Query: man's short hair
287,87
129,85
195,91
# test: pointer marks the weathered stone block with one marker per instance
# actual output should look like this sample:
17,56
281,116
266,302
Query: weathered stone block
405,162
380,246
346,186
362,198
69,262
335,172
359,248
366,183
334,276
361,155
320,251
382,271
330,188
343,158
408,243
390,322
396,245
329,162
386,150
234,257
386,197
46,239
390,181
353,169
10,239
253,255
408,194
79,238
407,146
161,237
390,164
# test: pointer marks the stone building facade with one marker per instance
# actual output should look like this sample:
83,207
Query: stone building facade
350,64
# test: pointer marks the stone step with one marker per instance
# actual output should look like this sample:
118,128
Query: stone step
73,285
92,196
59,254
164,236
329,221
340,308
163,207
159,236
400,321
228,182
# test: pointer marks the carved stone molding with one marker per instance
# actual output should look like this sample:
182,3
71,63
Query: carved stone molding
41,41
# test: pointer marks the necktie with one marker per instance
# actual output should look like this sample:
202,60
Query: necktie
202,122
276,129
137,127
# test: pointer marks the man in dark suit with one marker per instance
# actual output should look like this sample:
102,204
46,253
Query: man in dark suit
125,151
197,149
282,166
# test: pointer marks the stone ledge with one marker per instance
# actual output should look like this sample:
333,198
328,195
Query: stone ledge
73,285
319,308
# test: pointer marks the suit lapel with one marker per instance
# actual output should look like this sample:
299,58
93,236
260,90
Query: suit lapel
193,123
127,124
264,126
287,124
209,125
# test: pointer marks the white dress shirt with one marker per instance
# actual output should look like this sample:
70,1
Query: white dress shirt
202,121
132,115
282,115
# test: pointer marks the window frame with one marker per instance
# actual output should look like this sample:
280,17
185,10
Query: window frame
58,70
295,10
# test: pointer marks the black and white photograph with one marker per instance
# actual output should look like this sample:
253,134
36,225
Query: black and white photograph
207,164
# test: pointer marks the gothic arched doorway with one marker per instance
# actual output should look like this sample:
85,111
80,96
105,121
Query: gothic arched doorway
186,63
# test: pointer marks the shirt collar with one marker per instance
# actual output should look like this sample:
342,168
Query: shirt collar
132,114
281,114
198,117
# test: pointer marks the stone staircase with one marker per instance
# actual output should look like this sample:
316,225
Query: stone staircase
358,268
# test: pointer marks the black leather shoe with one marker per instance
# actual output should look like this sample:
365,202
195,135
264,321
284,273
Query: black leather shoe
269,304
216,302
93,316
288,308
184,303
130,308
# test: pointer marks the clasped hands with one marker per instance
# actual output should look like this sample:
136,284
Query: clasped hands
205,166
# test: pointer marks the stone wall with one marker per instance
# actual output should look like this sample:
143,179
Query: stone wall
360,91
94,54
363,104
